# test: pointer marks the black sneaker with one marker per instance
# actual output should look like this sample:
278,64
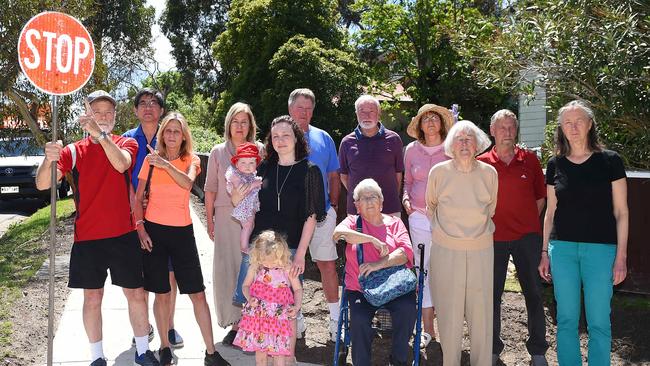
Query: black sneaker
99,362
165,356
175,339
151,336
145,359
229,338
214,359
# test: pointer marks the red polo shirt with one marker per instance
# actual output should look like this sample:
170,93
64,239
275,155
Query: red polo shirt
521,184
102,196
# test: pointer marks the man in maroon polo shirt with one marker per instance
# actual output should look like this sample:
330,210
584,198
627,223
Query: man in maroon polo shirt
520,200
372,151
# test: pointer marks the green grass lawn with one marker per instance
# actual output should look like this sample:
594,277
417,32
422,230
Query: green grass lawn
21,255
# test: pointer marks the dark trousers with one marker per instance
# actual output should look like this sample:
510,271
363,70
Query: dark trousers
525,253
403,312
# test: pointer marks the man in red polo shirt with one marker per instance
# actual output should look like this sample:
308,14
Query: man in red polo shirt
520,200
104,231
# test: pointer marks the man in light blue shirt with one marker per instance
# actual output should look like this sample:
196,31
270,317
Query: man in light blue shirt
322,152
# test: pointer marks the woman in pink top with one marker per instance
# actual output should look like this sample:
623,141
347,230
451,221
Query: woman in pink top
430,128
385,243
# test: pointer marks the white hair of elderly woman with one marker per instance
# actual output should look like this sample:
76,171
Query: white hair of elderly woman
367,185
468,127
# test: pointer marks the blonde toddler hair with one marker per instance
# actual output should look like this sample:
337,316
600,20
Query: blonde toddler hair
270,244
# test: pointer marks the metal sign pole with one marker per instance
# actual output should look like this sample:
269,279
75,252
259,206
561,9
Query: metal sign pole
50,314
55,81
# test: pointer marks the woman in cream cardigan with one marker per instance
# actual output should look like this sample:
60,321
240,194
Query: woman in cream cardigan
461,198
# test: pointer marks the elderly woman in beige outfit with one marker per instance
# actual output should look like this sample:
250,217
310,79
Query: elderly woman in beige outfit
461,197
239,127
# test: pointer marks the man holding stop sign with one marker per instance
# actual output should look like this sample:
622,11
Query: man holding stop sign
104,233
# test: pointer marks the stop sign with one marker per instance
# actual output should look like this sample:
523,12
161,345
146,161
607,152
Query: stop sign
56,53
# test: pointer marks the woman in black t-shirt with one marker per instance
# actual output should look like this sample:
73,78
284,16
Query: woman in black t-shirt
292,196
585,233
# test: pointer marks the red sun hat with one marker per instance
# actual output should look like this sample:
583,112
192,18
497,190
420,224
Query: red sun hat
246,150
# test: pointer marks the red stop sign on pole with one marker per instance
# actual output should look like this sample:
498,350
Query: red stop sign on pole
56,53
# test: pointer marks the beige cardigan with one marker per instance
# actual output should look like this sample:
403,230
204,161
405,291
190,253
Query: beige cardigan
461,205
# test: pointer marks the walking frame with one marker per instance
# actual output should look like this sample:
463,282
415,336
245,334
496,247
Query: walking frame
342,346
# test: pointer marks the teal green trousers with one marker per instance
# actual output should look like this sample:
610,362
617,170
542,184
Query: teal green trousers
586,266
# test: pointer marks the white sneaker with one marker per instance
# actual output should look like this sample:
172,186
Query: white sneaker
301,327
334,327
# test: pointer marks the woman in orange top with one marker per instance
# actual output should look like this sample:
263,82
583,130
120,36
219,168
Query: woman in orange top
165,231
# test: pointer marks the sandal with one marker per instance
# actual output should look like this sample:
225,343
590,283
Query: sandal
425,340
229,338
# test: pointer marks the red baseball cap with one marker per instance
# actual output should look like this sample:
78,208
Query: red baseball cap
246,150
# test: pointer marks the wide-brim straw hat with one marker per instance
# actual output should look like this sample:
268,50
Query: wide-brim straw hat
447,118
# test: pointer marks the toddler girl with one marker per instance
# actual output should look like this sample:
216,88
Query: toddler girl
242,171
265,326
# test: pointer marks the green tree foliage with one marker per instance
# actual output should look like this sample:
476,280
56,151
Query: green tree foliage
253,53
204,138
335,76
197,109
593,50
192,27
423,44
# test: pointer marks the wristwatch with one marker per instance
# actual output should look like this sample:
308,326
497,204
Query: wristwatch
102,135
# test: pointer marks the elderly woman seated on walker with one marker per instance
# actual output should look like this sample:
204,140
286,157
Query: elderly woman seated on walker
385,242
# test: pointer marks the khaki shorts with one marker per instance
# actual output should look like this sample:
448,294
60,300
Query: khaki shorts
322,247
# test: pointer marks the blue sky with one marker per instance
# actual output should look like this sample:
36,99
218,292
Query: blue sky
160,43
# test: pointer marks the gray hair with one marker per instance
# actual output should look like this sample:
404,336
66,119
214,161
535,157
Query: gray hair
367,185
468,127
364,99
503,114
302,92
579,104
562,145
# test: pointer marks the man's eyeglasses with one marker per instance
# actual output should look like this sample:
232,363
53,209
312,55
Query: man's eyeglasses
148,103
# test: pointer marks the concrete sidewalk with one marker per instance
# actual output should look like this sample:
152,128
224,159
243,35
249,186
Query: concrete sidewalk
71,344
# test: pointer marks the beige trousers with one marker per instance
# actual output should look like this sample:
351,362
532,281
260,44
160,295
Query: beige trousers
461,288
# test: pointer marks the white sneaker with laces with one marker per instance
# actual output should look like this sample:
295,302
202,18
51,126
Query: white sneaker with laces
334,327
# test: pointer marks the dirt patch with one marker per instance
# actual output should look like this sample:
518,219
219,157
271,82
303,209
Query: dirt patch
29,315
630,331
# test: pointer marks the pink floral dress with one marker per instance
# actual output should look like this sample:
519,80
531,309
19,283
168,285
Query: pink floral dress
267,327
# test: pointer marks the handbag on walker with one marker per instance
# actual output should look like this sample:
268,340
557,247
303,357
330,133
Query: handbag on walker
384,285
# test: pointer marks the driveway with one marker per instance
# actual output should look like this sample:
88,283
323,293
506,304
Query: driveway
16,210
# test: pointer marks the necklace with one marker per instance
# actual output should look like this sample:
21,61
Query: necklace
277,175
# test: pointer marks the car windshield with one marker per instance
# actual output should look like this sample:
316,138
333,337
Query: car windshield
19,147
